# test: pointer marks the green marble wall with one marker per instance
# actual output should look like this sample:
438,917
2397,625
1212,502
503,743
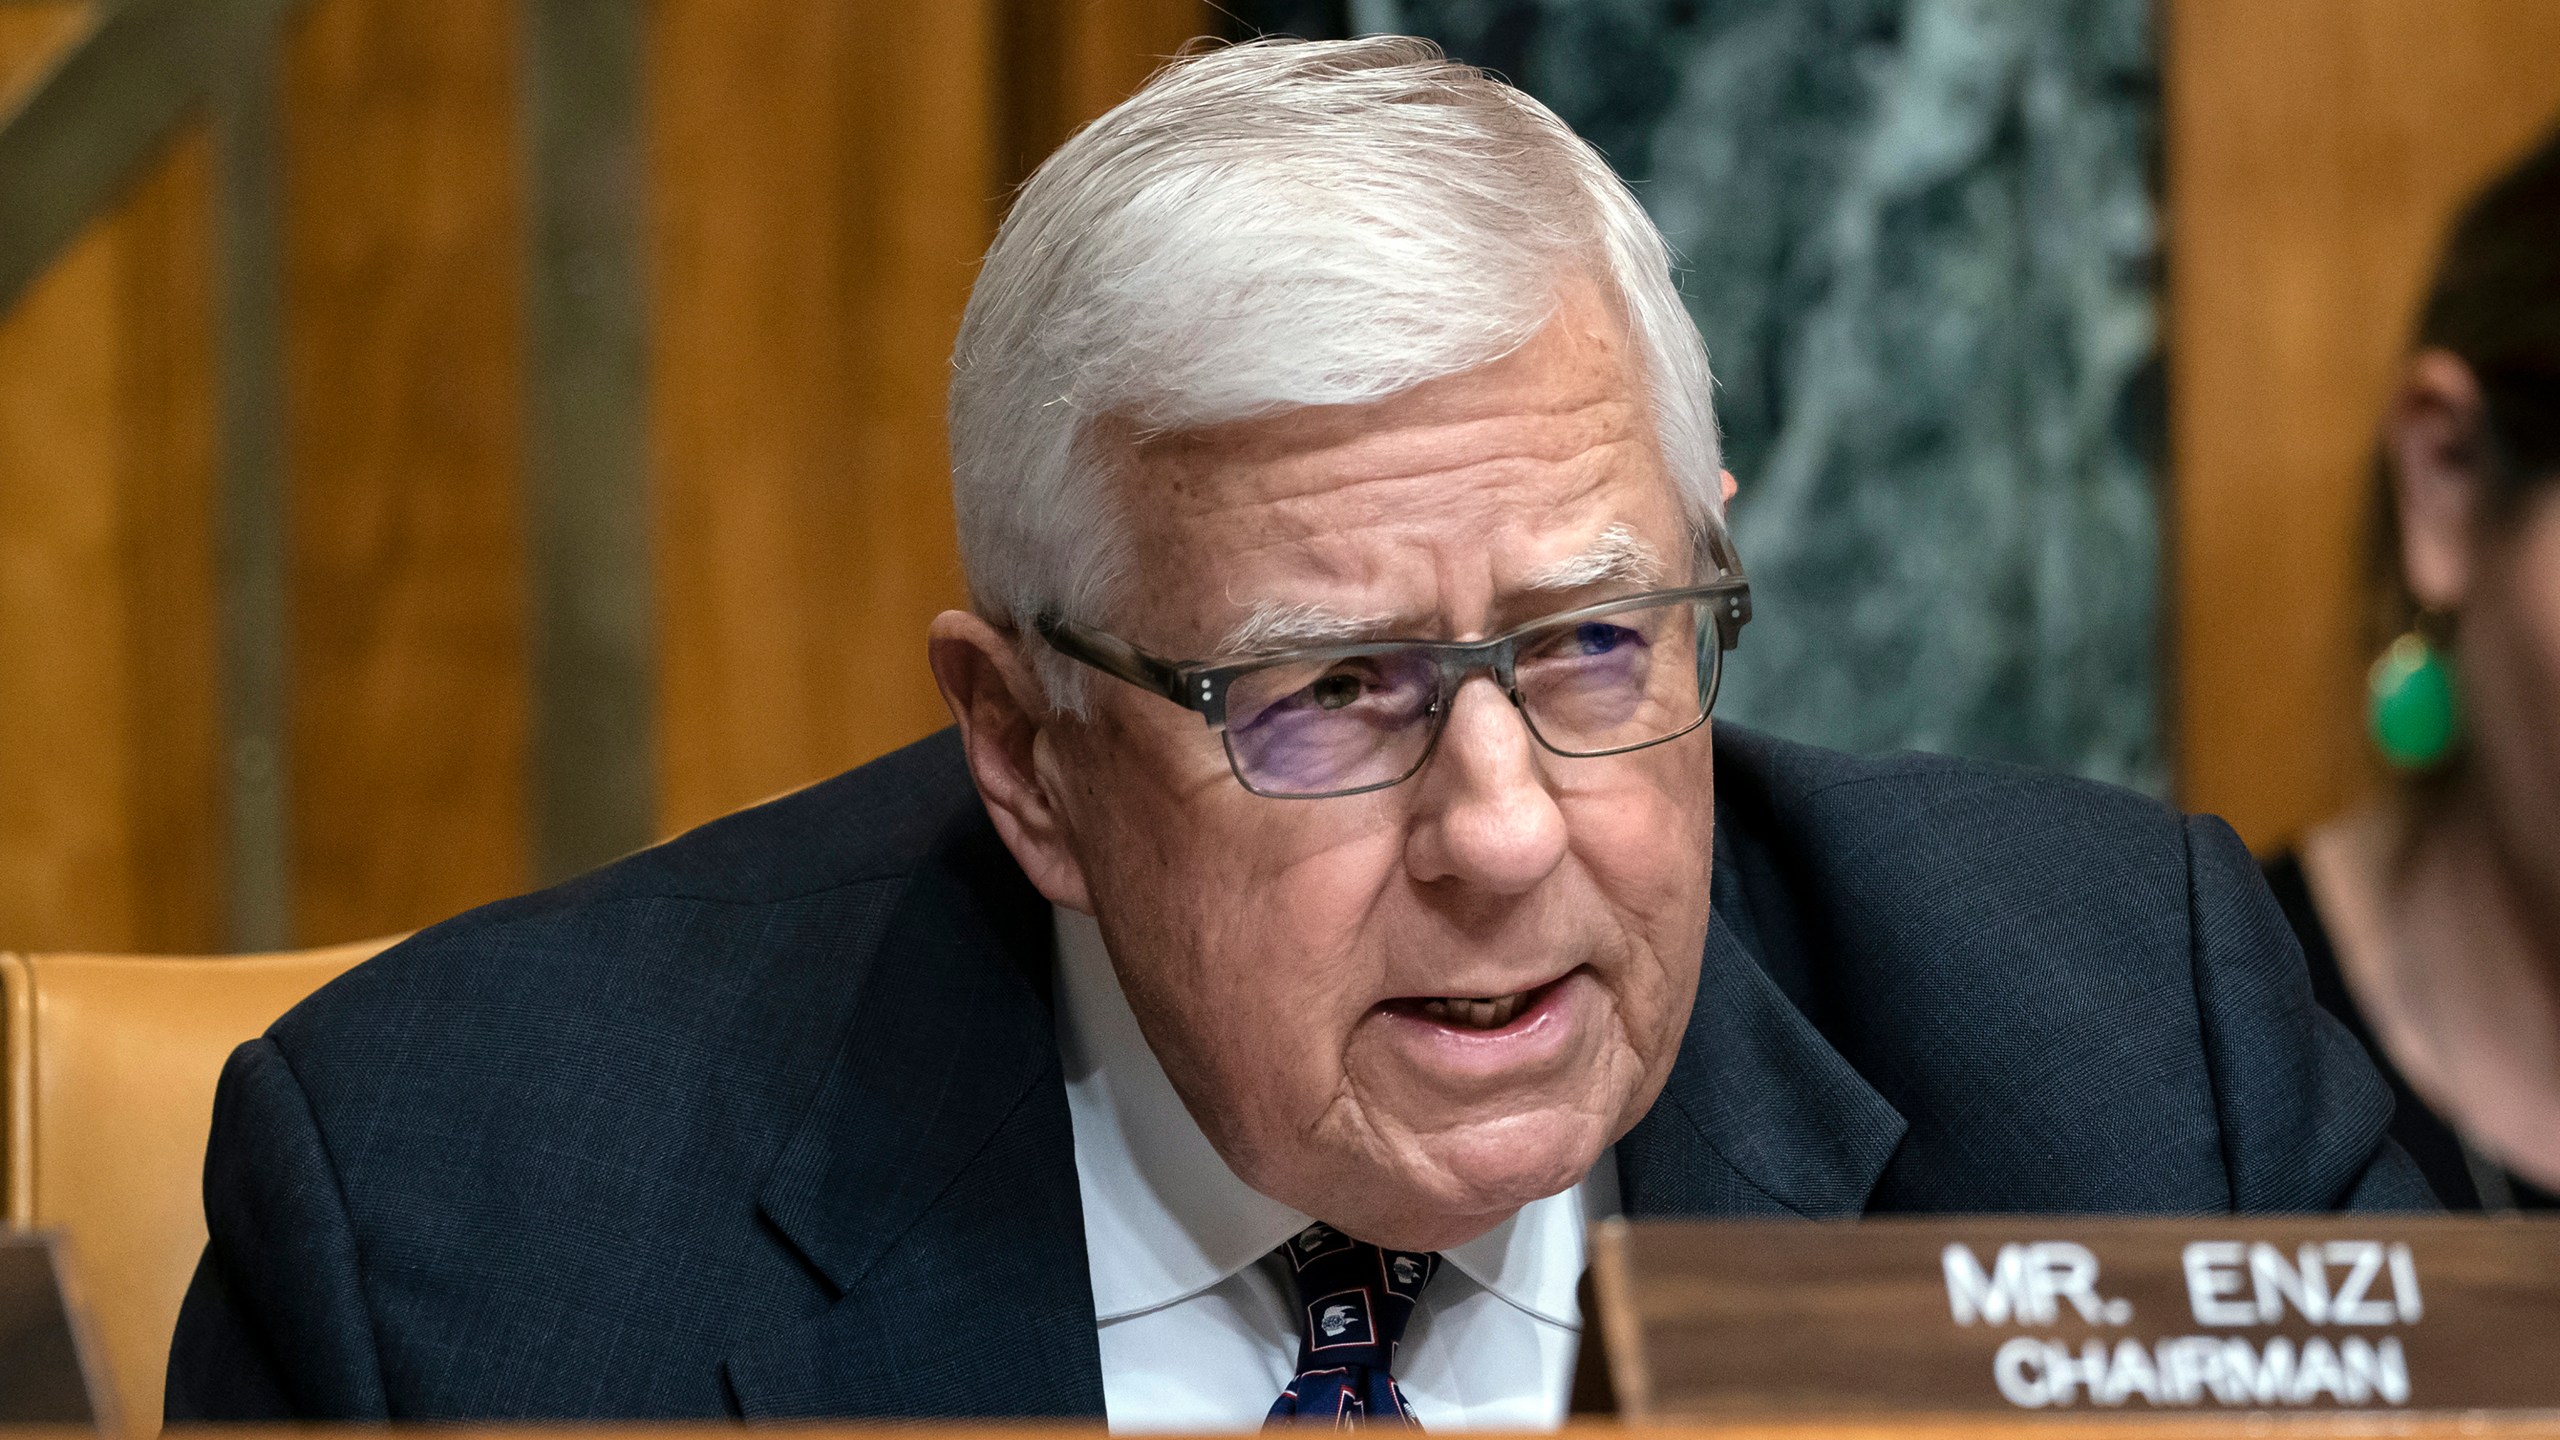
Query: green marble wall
1921,244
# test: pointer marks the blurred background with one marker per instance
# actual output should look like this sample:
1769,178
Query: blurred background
447,443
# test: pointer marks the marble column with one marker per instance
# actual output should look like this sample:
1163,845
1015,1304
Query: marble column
1920,239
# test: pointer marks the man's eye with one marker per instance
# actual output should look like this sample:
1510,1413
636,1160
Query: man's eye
1594,638
1336,690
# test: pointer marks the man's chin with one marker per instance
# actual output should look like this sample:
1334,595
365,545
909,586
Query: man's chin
1460,1186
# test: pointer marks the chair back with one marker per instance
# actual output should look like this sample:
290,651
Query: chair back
107,1071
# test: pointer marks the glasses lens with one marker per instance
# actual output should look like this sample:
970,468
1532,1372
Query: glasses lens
1618,680
1322,727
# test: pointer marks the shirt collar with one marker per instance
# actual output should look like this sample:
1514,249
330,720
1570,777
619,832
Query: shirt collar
1164,1218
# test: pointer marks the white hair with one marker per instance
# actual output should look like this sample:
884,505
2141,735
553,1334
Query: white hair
1270,225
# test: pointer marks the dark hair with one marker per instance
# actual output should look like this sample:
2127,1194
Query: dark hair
2495,302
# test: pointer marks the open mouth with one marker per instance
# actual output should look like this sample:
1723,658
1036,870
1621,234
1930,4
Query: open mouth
1477,1012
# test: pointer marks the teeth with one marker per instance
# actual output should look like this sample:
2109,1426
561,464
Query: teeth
1477,1014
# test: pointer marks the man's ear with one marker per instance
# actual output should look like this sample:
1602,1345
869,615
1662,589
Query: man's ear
1006,728
1730,484
2434,442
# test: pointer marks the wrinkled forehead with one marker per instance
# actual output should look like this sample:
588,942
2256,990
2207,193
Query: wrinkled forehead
1451,506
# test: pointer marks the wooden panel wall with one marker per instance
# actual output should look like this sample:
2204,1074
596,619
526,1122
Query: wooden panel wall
1070,60
31,33
110,833
819,198
824,177
404,430
2315,151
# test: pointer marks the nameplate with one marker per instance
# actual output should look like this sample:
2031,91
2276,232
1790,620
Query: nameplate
2051,1316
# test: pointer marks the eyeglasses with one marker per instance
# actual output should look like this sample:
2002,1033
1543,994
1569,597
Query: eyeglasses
1344,719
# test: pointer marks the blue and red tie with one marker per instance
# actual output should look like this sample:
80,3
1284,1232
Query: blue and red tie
1353,1302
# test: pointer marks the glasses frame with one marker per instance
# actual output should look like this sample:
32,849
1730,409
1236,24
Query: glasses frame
1200,686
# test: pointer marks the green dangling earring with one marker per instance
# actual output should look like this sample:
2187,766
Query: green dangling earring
2411,706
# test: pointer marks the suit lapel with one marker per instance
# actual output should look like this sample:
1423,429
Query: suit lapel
1761,1116
933,1183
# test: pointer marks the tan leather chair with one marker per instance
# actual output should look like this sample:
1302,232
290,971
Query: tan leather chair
107,1069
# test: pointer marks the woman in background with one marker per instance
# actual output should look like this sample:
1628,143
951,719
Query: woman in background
2431,918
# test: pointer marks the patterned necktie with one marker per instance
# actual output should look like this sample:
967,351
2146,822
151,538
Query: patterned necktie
1353,1302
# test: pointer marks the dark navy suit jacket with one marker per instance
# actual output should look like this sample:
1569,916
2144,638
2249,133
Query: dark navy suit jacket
769,1119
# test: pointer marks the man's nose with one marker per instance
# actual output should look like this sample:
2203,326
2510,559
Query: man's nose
1485,817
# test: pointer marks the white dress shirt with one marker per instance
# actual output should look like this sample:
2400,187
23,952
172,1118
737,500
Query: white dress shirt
1198,1323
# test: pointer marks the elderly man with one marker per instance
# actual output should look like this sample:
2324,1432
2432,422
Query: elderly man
1198,1040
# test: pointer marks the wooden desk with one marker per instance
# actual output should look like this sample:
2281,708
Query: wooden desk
2292,1426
